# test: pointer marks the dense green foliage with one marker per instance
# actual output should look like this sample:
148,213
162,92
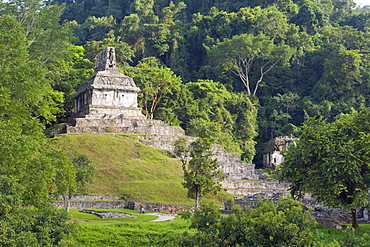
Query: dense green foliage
286,224
285,57
331,161
27,99
20,226
31,170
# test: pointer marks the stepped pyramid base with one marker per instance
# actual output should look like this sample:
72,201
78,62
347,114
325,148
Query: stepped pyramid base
124,125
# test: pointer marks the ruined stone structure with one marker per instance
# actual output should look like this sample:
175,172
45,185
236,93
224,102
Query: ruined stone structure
273,155
230,163
107,102
109,94
243,187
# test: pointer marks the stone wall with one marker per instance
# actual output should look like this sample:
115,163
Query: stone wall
245,187
153,207
96,198
232,166
91,204
230,163
274,148
159,207
124,125
164,141
251,201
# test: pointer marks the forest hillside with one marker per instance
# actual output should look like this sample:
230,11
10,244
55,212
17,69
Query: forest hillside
237,72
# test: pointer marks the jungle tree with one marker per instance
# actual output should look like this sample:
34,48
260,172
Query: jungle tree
247,55
200,174
331,161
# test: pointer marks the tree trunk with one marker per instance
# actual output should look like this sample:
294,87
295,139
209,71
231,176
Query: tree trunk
67,200
196,199
68,204
197,196
354,218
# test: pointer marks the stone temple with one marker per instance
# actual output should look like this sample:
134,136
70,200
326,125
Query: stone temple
107,102
109,94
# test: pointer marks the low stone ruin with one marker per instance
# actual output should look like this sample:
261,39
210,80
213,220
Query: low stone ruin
273,156
105,215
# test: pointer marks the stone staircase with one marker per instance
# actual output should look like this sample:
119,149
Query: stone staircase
241,178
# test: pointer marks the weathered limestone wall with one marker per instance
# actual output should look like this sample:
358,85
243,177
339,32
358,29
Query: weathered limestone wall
124,125
96,198
154,207
159,207
275,147
105,112
164,141
230,163
245,187
251,201
232,166
91,204
114,98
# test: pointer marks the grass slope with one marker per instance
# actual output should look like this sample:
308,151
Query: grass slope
126,167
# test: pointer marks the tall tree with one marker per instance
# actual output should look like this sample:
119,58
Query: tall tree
245,126
311,16
208,116
124,53
21,227
331,161
30,169
156,82
200,174
24,102
95,28
250,57
49,41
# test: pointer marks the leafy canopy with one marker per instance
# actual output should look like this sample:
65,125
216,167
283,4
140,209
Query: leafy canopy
200,174
331,160
286,224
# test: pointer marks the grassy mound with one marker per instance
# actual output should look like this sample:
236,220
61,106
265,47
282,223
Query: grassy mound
126,167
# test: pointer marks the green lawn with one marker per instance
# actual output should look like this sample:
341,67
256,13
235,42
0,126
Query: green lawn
94,231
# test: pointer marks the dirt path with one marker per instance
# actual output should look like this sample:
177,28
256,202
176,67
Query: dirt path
162,217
